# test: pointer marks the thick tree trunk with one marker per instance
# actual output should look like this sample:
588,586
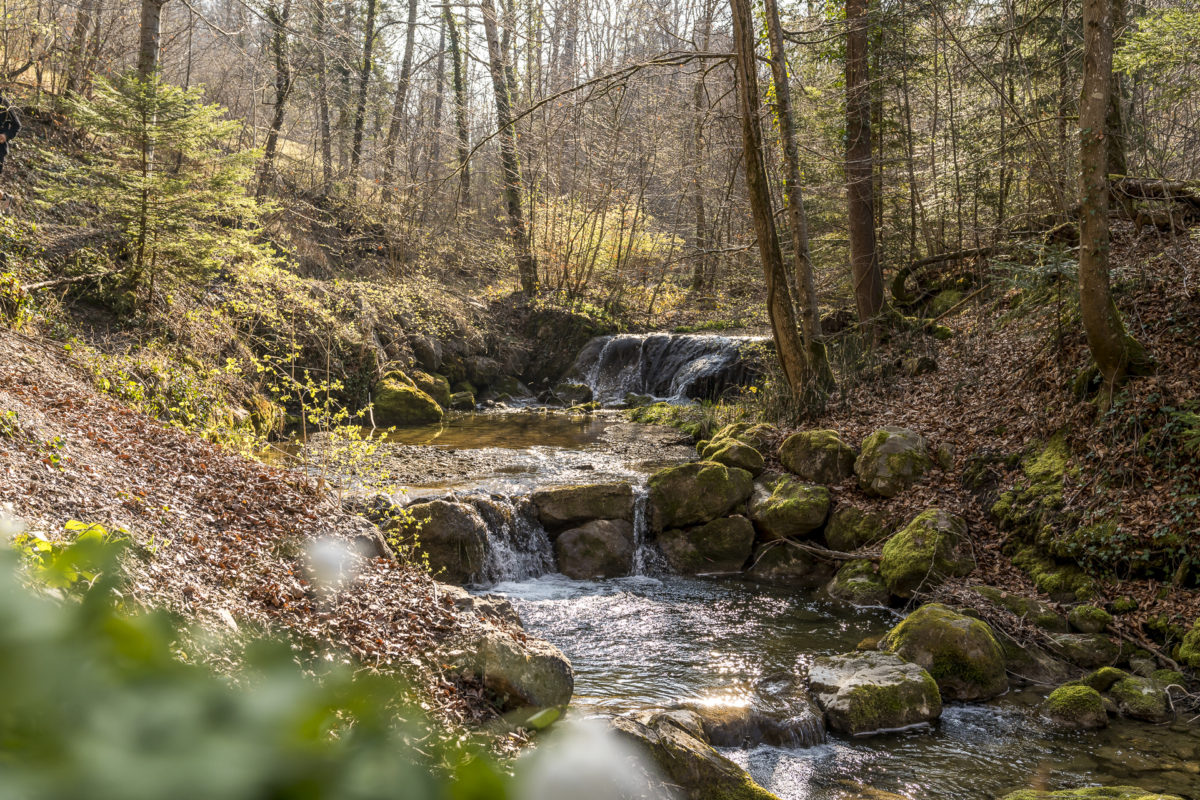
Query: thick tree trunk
393,134
278,17
780,308
458,73
700,237
864,259
360,106
510,163
793,197
1112,348
78,48
148,40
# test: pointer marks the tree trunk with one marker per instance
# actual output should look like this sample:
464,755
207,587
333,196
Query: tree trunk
393,134
360,106
510,163
864,260
779,297
793,197
458,72
1112,348
323,99
148,43
79,41
278,17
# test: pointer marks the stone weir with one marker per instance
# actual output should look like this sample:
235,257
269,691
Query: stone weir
675,366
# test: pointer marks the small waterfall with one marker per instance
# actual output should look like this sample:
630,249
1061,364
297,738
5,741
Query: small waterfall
647,558
518,547
667,365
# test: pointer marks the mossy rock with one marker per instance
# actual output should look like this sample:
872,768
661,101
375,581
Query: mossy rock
602,548
436,386
462,401
723,545
571,393
398,403
1125,605
785,508
1092,793
1089,619
692,494
858,583
566,506
1035,611
872,692
1077,708
1063,582
892,459
1140,698
1037,496
1087,650
925,552
1168,677
1103,679
779,562
818,456
464,386
1189,648
733,453
759,436
943,301
508,385
850,528
960,652
453,536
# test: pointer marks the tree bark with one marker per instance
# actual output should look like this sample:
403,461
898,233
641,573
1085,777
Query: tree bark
360,106
864,259
1112,348
780,308
793,197
278,17
510,163
458,73
393,134
148,40
324,131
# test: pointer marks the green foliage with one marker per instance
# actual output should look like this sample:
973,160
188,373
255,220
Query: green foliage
74,562
165,179
1165,47
104,704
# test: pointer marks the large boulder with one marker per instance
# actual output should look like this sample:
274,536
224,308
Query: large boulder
689,763
733,453
779,562
929,549
722,545
780,713
1140,698
395,402
567,506
522,671
960,652
1091,793
858,583
453,536
436,386
785,508
818,456
892,459
850,528
873,692
692,494
1076,708
1087,650
602,548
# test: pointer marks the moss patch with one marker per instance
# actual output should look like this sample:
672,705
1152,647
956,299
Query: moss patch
1061,582
960,652
1076,706
925,552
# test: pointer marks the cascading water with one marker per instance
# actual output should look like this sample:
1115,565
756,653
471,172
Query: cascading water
668,365
647,558
518,547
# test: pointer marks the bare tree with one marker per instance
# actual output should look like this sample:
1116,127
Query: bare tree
278,16
402,82
860,204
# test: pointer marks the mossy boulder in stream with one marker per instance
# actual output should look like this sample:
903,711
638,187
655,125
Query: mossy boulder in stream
723,545
1087,650
858,583
819,456
850,528
565,506
462,401
602,548
522,671
436,386
396,402
452,535
692,494
960,652
929,549
1076,708
872,692
785,508
692,768
1140,698
782,563
892,459
1092,793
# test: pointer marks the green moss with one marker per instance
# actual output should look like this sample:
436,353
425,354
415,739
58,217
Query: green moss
1103,679
398,403
436,386
925,552
960,652
1189,648
733,453
943,301
1091,793
870,703
1039,492
1058,581
850,528
1140,698
792,509
1078,705
858,583
1167,677
1124,605
1037,612
1089,619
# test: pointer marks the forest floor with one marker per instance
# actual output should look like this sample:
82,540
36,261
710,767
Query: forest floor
225,542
